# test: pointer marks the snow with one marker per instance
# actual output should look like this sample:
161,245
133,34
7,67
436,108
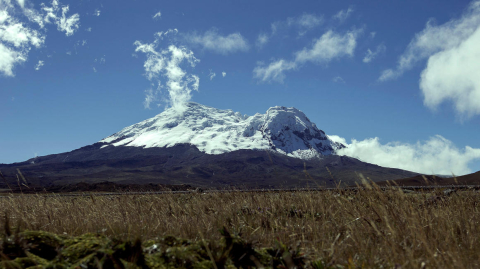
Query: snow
215,131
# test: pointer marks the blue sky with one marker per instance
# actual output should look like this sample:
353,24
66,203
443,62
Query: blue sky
396,80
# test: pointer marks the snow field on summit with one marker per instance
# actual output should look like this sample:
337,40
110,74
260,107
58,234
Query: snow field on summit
214,131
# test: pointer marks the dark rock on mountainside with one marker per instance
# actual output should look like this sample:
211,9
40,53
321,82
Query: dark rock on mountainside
208,147
185,164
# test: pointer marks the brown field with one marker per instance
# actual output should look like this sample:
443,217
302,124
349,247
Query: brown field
355,229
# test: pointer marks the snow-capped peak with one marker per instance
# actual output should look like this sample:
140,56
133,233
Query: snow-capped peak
216,131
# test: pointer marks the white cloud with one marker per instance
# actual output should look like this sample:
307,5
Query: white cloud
370,55
338,79
262,40
302,23
157,15
328,47
306,21
434,156
343,14
274,71
165,64
57,15
16,40
89,29
211,75
212,41
39,65
84,42
453,54
94,69
453,75
373,34
9,58
21,3
224,74
434,39
151,96
97,12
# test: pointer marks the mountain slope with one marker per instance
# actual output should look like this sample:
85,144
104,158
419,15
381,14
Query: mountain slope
185,164
208,147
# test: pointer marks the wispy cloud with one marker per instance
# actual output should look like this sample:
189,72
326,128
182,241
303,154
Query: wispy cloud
262,40
97,12
39,65
436,38
328,47
302,24
21,3
274,71
165,63
453,62
370,55
338,79
212,74
437,155
211,40
306,20
16,40
157,15
58,15
224,74
151,96
343,14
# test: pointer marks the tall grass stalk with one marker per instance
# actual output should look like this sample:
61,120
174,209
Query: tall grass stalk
365,228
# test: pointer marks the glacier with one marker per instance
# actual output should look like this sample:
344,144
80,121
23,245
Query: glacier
285,130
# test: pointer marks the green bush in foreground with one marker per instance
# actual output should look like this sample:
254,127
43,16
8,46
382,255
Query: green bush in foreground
39,249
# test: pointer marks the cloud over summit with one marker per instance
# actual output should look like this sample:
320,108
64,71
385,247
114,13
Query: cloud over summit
164,67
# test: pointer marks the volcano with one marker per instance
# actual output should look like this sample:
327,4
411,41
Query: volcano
208,147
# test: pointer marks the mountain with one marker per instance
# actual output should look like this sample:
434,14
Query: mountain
208,147
213,131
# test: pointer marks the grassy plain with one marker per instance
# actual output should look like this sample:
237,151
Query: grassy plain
369,228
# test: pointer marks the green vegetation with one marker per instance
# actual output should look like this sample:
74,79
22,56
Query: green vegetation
38,249
369,228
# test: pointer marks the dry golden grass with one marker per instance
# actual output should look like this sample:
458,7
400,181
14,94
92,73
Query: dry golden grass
365,229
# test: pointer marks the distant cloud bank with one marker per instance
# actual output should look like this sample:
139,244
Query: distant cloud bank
437,155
